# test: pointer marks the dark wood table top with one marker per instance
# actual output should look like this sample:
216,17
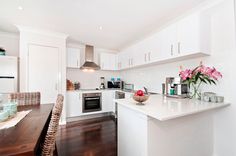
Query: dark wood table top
24,138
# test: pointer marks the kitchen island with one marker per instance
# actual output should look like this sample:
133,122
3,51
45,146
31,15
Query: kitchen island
166,127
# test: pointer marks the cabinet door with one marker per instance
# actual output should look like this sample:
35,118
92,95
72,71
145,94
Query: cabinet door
43,72
188,35
132,132
107,101
73,104
139,53
169,36
73,58
108,61
154,48
124,59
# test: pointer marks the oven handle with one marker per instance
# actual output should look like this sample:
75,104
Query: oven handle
87,98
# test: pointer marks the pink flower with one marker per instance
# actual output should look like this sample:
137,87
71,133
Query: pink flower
186,74
205,70
216,74
211,72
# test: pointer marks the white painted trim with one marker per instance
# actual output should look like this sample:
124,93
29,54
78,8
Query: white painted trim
41,31
8,34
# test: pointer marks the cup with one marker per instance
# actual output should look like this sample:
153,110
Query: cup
220,99
11,107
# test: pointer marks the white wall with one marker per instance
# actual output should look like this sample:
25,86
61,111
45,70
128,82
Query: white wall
10,42
89,80
223,58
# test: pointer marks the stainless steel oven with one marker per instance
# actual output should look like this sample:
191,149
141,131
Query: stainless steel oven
92,102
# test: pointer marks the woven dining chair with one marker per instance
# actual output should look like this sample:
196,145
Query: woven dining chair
50,139
26,98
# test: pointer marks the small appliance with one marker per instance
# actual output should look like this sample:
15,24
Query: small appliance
102,85
128,87
115,84
176,88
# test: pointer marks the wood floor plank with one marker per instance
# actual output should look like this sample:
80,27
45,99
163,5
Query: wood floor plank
93,137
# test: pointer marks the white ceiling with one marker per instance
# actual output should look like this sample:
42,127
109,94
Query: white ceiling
122,21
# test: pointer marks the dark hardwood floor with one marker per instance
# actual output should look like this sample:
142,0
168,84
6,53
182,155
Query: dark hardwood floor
93,137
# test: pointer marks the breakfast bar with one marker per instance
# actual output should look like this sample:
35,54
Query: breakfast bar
166,126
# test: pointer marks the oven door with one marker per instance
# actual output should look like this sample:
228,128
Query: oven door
91,103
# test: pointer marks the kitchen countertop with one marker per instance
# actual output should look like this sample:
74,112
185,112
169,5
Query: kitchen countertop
101,90
163,108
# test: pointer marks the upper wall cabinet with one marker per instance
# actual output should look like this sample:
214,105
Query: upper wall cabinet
108,61
73,58
187,38
193,35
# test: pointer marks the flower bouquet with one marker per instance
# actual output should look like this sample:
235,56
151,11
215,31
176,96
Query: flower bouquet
201,74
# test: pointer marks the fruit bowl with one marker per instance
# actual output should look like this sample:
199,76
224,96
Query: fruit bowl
141,99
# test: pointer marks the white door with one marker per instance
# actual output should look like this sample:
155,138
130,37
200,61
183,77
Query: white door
43,71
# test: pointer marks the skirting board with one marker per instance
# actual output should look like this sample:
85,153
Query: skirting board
84,117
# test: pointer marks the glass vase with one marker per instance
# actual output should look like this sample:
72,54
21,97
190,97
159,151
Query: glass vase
195,92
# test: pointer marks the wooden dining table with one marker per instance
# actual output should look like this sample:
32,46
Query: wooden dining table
25,138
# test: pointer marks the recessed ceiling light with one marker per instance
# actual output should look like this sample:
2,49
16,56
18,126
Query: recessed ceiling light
100,28
20,8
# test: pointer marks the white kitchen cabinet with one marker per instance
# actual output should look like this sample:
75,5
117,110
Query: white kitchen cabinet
153,48
107,101
132,133
108,61
73,58
138,53
193,34
73,104
169,41
123,61
187,38
127,58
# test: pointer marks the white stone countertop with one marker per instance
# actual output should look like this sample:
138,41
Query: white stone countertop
165,108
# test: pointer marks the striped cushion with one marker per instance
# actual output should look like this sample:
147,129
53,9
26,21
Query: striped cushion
26,98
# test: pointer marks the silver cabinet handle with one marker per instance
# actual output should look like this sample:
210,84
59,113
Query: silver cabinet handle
145,57
77,63
171,49
179,47
149,56
132,61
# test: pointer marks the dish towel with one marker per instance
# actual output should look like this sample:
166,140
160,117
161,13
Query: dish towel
13,121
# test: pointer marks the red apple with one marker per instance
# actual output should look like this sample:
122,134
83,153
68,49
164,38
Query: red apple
140,93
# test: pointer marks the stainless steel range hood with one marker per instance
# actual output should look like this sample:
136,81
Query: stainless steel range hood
89,59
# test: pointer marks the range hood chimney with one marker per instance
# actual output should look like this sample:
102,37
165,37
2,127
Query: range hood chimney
89,59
